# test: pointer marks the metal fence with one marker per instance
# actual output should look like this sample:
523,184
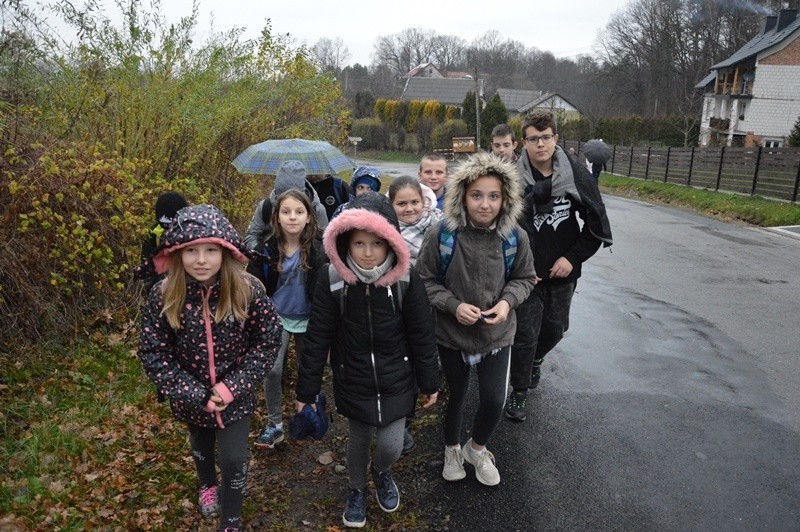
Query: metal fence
768,172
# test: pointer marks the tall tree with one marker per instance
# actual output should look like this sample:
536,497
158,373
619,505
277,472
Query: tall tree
332,55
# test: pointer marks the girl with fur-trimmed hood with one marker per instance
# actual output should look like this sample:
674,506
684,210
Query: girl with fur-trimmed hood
381,342
209,335
474,301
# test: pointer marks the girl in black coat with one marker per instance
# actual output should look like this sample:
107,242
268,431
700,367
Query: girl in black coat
371,311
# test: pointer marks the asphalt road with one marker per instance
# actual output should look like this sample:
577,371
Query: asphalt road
673,403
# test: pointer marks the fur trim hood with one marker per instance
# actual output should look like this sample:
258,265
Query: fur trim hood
196,224
481,165
371,212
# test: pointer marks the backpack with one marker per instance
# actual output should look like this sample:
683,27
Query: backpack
340,191
447,245
339,289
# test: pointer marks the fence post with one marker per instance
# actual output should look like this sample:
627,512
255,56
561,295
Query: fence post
796,182
666,169
647,164
630,163
719,172
613,158
755,174
691,165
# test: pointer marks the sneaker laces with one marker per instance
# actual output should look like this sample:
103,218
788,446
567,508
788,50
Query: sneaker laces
208,496
453,455
483,460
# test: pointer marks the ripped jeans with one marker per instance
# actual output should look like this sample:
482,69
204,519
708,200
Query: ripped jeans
233,460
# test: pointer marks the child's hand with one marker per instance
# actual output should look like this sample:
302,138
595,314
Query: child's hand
300,405
496,314
429,400
561,269
467,314
219,404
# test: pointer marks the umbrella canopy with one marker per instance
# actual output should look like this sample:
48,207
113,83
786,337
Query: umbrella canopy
318,157
596,151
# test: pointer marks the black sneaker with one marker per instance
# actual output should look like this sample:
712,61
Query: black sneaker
516,406
408,442
355,512
385,490
536,373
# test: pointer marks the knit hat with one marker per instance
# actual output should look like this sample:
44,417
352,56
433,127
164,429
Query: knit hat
367,175
167,205
291,174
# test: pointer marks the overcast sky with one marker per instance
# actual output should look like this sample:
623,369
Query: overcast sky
566,28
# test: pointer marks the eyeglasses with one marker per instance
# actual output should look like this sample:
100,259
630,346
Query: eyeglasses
533,139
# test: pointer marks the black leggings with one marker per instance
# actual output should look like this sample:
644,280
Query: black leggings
233,459
492,385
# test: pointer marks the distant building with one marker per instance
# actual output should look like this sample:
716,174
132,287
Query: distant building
447,91
752,98
519,101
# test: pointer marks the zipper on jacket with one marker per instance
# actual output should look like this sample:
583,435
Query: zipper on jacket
372,354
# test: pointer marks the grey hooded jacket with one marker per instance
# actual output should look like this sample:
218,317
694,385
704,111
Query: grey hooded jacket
476,274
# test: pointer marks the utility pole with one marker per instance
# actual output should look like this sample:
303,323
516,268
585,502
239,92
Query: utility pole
477,113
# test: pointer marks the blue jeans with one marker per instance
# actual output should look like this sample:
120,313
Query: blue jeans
542,320
492,386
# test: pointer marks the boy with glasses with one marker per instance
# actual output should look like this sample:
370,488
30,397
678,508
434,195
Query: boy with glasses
557,190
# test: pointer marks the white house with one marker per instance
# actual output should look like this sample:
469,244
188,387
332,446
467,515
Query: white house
753,97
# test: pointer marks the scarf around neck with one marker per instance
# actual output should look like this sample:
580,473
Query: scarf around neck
373,274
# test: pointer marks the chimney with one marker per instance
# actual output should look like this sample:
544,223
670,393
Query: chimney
768,23
785,17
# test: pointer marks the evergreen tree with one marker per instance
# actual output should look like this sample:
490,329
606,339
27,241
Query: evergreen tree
468,113
794,136
494,113
365,102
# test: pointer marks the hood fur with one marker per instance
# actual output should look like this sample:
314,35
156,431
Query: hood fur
481,165
371,212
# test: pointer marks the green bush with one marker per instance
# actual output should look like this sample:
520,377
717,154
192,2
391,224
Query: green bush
442,135
373,132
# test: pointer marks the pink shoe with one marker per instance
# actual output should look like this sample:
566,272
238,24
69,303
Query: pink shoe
208,501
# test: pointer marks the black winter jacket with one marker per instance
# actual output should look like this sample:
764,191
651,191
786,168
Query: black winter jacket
379,353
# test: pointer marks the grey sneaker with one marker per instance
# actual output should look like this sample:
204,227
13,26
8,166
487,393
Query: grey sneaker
485,470
271,437
516,406
453,464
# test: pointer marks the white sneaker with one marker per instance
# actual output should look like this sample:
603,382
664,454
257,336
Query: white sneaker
453,464
485,470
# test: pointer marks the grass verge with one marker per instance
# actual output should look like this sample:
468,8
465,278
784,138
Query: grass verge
753,210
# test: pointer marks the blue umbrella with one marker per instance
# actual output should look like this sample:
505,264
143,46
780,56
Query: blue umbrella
318,157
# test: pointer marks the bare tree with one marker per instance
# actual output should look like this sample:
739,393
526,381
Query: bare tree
448,52
331,54
403,51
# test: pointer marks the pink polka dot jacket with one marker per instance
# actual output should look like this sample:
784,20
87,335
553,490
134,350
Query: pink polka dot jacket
231,356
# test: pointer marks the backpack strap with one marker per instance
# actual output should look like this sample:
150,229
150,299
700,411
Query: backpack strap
337,286
510,251
266,212
447,245
398,289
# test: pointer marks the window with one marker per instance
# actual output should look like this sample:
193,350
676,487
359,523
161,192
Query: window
773,144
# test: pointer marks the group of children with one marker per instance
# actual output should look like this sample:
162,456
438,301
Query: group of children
397,287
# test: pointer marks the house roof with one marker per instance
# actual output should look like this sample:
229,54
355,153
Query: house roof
448,91
764,40
419,68
537,102
513,99
706,81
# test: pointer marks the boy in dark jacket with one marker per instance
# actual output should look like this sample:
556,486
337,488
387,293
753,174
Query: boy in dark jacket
558,191
371,312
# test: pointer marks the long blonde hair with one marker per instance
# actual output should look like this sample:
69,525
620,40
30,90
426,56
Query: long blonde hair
234,290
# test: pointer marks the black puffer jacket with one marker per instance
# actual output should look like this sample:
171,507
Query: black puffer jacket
379,352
